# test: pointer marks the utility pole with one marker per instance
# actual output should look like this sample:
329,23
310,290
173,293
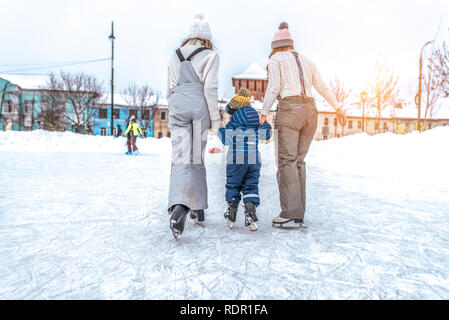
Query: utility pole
112,38
418,126
364,97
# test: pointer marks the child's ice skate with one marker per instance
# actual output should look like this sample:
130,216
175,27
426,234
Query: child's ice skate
231,213
250,216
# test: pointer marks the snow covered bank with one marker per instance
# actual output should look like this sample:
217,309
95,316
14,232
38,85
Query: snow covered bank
410,161
46,141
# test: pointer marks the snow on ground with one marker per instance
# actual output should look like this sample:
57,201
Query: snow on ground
81,220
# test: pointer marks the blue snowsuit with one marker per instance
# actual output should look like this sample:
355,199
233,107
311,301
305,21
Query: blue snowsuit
242,134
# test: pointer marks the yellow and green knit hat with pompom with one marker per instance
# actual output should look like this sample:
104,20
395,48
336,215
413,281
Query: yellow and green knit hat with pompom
241,99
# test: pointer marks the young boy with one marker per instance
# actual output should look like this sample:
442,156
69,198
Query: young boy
242,134
133,129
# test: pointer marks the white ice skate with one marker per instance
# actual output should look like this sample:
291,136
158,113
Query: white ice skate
250,216
284,223
252,227
231,213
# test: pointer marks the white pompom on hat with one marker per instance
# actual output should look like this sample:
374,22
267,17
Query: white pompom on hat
200,28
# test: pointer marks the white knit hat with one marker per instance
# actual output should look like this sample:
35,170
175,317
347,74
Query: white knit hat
200,28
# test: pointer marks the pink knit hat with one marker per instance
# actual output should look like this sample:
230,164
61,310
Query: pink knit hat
282,37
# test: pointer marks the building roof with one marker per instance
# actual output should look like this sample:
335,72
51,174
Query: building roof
32,82
253,72
120,100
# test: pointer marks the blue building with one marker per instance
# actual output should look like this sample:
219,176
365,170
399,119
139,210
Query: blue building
153,125
20,100
23,97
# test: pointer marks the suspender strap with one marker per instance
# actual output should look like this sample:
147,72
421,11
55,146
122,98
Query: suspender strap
194,53
180,56
301,76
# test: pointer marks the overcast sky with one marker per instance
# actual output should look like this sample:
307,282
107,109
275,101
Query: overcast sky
344,38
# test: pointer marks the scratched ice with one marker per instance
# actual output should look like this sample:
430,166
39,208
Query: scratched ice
81,220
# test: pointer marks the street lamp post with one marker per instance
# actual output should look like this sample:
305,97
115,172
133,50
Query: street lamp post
112,38
420,85
364,97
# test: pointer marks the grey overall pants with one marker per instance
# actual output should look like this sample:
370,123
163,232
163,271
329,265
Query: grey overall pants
296,122
189,123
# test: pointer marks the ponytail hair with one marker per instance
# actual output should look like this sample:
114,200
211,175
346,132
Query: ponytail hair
205,43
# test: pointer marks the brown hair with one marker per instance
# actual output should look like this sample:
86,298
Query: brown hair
280,49
205,43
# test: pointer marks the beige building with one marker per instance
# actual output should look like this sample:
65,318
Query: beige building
398,120
161,129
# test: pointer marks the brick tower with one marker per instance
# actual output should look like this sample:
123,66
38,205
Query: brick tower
254,78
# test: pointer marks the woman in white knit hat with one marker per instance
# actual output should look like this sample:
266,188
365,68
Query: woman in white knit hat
193,105
290,79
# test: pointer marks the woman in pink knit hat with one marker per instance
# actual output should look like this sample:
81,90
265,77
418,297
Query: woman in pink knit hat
290,79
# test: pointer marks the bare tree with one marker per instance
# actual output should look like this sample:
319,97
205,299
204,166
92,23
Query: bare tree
52,105
143,98
383,91
341,93
83,92
443,68
435,81
432,86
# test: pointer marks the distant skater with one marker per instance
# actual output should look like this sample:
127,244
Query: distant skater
133,130
119,131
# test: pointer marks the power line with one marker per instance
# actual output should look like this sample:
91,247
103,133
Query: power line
40,64
50,66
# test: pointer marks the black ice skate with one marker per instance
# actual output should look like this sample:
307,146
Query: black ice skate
197,216
231,213
250,216
178,219
284,223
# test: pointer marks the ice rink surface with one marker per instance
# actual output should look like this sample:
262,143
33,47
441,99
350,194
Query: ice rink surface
81,220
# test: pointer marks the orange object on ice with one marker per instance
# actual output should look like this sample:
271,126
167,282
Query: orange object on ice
215,150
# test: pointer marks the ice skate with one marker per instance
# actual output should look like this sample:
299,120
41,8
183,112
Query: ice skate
128,152
198,217
283,223
250,216
178,219
231,213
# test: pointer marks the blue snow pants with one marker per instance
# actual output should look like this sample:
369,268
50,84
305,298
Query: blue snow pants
243,179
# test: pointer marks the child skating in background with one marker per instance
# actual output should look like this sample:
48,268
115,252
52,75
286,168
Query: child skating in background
133,129
242,134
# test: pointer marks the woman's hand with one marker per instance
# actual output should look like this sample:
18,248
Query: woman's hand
215,126
262,118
